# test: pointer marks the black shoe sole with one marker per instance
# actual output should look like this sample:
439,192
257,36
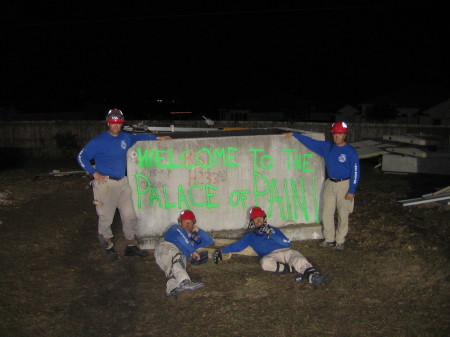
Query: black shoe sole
140,255
112,257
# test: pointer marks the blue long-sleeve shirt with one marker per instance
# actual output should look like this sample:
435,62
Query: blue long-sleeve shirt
179,237
260,244
341,161
109,153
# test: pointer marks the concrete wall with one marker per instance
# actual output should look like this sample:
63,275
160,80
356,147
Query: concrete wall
220,178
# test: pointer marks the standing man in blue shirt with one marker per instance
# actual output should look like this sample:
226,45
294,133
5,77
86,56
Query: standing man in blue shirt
181,242
110,184
342,166
273,247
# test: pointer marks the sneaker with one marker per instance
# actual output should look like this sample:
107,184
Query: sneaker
188,285
326,244
175,292
339,246
135,251
317,280
112,255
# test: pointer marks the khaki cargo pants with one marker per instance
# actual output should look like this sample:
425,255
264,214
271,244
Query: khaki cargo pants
286,255
334,200
173,263
112,195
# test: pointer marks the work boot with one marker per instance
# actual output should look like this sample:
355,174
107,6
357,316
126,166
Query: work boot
326,244
135,251
188,285
184,285
317,280
112,255
339,246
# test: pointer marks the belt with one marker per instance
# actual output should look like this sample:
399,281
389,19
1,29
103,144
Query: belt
115,178
334,180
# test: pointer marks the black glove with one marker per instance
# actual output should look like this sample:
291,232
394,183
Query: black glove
194,236
264,230
203,258
217,256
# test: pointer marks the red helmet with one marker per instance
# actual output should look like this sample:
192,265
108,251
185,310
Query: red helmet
256,212
115,116
339,127
187,215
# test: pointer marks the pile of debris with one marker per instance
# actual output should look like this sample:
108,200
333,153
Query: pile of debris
411,154
408,154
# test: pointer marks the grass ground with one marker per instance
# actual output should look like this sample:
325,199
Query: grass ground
393,279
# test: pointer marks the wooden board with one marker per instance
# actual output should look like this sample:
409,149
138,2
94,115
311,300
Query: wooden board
424,200
411,140
369,148
410,151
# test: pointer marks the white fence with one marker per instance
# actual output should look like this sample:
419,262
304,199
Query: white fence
64,139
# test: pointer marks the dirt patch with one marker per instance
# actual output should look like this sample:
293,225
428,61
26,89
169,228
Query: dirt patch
392,279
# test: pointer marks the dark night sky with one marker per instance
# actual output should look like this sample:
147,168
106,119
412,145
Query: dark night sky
218,52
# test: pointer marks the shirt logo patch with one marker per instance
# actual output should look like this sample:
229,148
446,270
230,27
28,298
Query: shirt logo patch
123,144
342,158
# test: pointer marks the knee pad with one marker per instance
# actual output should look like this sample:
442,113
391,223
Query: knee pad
178,259
282,268
308,272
